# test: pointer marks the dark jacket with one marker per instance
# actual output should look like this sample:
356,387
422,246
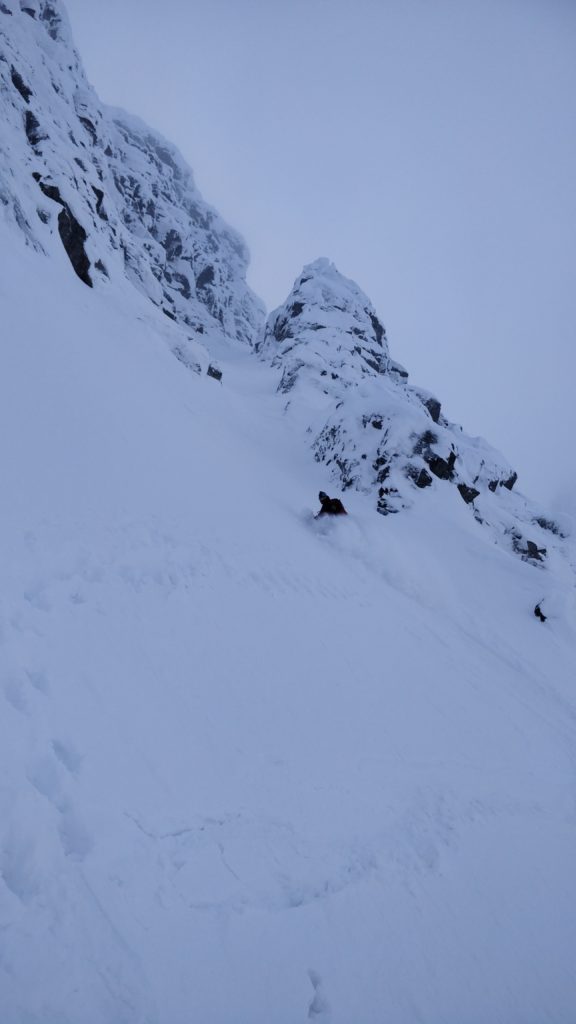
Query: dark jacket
330,506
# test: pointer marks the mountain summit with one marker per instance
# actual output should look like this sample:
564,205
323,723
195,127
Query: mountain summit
328,327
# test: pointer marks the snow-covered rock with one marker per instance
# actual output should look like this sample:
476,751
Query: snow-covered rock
118,196
328,328
378,433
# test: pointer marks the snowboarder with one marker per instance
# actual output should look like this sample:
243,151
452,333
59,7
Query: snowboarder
330,506
539,613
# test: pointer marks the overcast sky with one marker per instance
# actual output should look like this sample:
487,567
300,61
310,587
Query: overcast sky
427,147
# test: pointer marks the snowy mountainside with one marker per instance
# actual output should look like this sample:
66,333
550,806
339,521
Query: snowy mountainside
378,433
256,767
119,197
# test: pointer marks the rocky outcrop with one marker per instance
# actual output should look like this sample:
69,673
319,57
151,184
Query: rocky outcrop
327,334
74,239
376,432
127,201
71,232
468,493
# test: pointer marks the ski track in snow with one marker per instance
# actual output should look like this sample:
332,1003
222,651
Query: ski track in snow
235,864
232,864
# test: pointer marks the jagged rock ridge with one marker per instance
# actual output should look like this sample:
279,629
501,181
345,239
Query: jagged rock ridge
119,197
376,432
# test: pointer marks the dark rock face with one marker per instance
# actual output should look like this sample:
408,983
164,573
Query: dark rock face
379,332
71,232
73,238
51,191
34,133
19,84
52,20
434,408
214,372
282,329
442,468
468,493
421,477
509,483
99,199
205,278
89,128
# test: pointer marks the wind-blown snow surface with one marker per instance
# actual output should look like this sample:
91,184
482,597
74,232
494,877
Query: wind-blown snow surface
257,768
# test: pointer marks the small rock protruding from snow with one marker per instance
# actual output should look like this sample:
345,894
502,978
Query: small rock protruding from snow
214,371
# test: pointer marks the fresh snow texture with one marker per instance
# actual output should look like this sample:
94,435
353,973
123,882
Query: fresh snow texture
258,767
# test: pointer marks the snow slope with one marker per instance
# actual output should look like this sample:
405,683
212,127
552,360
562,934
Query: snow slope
254,767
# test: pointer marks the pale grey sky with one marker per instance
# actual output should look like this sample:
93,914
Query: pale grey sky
428,147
